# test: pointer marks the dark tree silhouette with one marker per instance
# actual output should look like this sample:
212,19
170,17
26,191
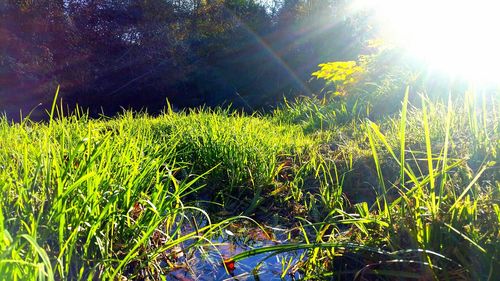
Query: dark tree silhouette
111,54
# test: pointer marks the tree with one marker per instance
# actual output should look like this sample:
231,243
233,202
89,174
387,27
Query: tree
108,54
36,50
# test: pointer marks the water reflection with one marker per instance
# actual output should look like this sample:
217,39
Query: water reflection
211,261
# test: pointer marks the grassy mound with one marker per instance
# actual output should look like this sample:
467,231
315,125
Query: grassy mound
398,197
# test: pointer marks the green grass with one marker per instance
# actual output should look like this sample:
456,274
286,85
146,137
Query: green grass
432,186
101,198
401,196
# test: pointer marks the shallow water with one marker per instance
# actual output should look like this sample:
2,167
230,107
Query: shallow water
207,262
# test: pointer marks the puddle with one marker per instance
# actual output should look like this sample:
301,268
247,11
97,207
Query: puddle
211,261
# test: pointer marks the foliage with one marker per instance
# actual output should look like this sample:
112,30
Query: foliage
86,199
135,54
342,74
244,153
374,82
83,199
419,184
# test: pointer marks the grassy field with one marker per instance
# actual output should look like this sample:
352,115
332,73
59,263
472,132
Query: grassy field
413,195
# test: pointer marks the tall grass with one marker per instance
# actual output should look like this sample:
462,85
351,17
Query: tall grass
437,192
84,196
247,153
413,195
86,199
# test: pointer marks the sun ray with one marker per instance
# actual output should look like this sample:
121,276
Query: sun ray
457,37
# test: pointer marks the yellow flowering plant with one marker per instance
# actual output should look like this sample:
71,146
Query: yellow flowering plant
342,74
375,80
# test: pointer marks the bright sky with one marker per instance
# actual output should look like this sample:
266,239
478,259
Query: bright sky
460,37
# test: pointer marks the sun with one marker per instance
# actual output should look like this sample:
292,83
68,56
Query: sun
459,37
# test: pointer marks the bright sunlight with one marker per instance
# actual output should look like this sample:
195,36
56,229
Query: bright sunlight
459,37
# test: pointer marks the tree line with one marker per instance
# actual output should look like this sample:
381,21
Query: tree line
108,54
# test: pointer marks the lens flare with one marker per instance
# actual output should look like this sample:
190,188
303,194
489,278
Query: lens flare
459,37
